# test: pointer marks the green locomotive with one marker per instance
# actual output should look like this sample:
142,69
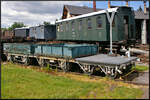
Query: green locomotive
95,26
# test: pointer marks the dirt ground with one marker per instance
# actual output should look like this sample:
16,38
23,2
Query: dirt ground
142,47
144,58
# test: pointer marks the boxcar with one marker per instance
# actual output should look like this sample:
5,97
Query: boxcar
95,26
7,34
47,32
21,32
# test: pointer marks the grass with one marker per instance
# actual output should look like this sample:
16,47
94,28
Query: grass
140,68
25,83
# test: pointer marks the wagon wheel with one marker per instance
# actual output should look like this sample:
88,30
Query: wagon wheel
26,61
115,75
10,58
66,68
40,62
64,65
90,72
112,76
87,69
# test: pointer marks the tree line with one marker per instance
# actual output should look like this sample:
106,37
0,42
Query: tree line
20,24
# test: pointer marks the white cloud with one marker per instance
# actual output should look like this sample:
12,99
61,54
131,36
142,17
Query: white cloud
33,12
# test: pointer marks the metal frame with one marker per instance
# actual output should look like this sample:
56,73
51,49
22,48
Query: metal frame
88,68
110,19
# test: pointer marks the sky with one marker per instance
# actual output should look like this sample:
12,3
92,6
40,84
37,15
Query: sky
33,13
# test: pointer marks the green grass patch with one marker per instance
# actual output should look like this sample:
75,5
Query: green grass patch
140,68
25,83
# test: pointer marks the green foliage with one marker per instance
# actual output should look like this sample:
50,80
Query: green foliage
47,68
4,29
16,25
25,83
140,68
56,70
46,23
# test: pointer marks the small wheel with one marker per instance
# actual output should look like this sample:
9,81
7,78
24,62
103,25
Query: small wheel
41,62
112,76
90,72
10,58
26,61
66,67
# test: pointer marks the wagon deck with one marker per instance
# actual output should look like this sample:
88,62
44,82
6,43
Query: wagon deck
104,59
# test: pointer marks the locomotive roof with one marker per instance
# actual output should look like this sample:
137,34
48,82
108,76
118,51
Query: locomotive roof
42,25
89,14
22,28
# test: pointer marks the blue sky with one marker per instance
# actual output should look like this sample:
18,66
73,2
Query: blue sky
104,4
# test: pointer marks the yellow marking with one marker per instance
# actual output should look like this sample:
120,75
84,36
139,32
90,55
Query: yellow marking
127,74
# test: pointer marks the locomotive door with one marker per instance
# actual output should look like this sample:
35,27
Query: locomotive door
126,26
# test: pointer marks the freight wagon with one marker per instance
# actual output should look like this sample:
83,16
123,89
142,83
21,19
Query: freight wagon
64,55
95,27
7,36
21,32
43,32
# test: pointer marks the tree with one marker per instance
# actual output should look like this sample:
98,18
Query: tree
4,29
16,25
140,9
46,23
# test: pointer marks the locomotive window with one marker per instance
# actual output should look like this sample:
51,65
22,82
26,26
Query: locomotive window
61,27
99,22
73,25
58,28
64,27
52,29
42,29
89,23
80,25
131,31
67,26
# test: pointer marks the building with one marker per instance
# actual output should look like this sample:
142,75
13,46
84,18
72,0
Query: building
142,23
70,11
140,16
